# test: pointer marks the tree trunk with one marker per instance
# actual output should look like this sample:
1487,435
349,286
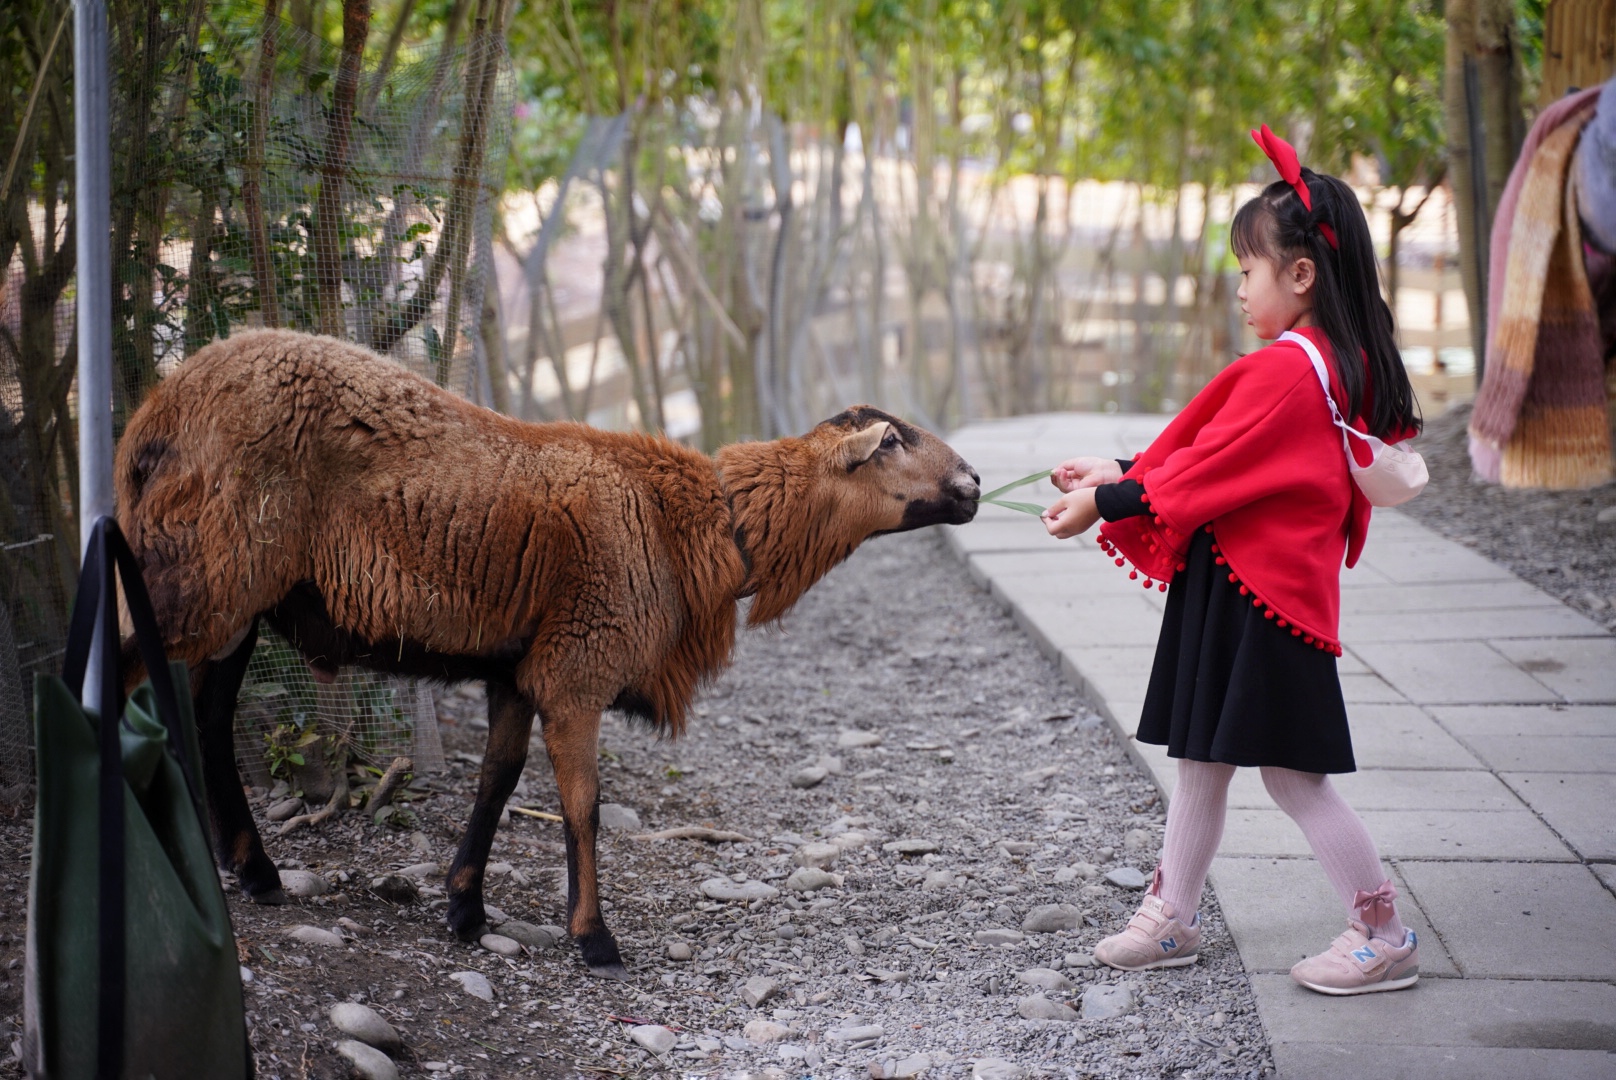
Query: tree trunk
1485,126
326,241
252,197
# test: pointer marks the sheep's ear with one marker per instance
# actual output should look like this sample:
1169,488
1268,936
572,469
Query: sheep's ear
858,447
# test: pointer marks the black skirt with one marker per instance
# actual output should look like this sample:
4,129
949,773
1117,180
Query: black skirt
1230,686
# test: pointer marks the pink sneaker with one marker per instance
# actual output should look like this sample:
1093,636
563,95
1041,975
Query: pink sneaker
1359,964
1154,939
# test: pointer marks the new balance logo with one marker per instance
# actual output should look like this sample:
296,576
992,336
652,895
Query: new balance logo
1169,944
1363,955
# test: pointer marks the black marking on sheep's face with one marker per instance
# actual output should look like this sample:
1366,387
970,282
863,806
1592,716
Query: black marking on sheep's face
147,460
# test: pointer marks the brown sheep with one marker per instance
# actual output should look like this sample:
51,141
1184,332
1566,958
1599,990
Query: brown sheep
375,519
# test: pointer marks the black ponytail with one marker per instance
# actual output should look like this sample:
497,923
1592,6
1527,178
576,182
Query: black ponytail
1347,305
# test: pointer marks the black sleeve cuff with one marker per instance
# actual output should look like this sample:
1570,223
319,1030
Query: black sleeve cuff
1124,499
1125,464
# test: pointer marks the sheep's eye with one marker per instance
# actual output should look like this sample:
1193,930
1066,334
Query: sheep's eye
890,440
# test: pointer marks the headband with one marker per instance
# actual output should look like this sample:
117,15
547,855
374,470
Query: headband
1283,155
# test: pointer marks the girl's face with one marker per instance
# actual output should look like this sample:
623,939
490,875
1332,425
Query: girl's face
1276,300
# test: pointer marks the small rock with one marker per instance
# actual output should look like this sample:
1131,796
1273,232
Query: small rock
996,1069
1048,918
1045,979
680,950
1038,1007
994,936
349,928
819,856
1064,875
938,879
908,1067
1138,840
1607,516
862,1033
283,810
912,847
1127,877
303,883
1103,1002
368,1062
366,1025
1017,847
854,945
1086,871
534,937
474,983
763,1032
758,990
618,818
810,879
812,776
395,888
707,1044
850,840
725,889
1079,960
499,943
856,740
654,1037
313,935
420,871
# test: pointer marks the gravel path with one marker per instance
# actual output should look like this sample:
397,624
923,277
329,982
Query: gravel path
1554,539
966,791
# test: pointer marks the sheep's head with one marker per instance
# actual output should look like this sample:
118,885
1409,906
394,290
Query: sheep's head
802,505
892,476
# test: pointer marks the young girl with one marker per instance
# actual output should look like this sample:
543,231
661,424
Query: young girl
1242,510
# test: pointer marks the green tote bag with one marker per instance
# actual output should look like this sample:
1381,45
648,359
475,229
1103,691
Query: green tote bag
131,964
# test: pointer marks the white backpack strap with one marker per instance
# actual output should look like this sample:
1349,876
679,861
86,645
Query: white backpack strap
1319,369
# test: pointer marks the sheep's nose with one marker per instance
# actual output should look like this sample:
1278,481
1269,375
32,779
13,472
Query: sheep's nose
968,487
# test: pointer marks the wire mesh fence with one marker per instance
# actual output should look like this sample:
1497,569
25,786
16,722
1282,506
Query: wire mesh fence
263,176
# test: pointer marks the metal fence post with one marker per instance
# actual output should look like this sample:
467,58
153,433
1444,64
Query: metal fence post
92,107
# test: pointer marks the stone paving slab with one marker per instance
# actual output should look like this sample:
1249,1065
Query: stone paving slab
1421,561
1452,673
1355,1061
1581,670
1466,624
1521,920
1538,753
1500,1013
1539,720
1578,806
1403,737
1271,936
1408,834
1421,601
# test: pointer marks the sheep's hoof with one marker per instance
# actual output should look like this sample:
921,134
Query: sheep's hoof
600,953
468,921
268,897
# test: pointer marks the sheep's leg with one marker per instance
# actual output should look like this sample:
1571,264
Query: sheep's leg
510,723
237,844
572,738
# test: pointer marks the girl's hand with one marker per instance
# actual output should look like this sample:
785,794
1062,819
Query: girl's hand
1073,514
1085,472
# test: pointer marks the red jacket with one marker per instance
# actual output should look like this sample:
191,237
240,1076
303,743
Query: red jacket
1255,460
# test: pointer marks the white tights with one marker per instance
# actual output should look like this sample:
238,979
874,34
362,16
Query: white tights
1195,817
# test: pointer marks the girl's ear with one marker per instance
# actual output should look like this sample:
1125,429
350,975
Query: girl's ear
1304,274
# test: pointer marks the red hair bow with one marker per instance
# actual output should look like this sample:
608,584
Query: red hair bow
1283,155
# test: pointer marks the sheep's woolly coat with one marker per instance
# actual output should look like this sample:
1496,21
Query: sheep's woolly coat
427,524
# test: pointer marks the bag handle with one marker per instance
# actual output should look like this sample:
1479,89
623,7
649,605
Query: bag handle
107,558
1313,354
109,549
